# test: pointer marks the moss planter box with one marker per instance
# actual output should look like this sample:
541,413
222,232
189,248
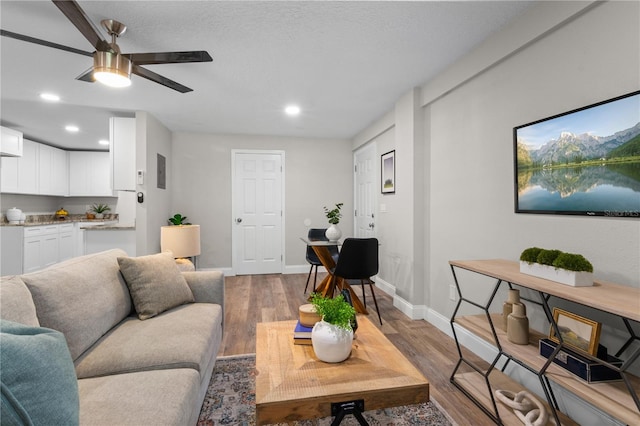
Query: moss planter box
572,278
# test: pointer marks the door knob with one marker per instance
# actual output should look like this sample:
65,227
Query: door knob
238,220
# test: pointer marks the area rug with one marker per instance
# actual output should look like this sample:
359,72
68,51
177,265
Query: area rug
231,400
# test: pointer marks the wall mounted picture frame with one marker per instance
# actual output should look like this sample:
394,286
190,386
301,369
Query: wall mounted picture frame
388,172
578,333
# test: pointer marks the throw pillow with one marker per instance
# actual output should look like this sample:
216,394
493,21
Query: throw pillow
155,283
39,384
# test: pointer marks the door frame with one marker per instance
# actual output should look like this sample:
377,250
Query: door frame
281,153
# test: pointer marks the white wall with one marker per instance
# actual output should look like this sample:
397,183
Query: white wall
152,138
317,173
593,57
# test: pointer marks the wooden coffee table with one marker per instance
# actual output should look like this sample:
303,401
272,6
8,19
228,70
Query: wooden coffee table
292,384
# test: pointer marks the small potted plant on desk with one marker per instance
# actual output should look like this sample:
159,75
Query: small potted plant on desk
100,209
333,233
333,335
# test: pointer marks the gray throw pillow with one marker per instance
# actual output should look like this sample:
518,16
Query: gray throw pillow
39,384
155,283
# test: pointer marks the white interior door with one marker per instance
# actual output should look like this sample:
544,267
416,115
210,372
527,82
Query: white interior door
257,212
365,191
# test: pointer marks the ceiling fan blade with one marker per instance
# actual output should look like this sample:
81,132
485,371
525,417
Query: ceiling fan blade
76,15
41,42
169,57
87,76
157,78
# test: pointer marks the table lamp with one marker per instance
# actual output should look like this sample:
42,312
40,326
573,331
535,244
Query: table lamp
182,240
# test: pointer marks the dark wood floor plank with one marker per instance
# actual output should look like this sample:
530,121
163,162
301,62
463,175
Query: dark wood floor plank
264,298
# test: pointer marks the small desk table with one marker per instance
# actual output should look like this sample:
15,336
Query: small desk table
330,283
292,384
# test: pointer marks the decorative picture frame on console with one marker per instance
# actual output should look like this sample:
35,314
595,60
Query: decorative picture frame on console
578,333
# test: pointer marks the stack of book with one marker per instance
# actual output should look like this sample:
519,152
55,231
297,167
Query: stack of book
302,334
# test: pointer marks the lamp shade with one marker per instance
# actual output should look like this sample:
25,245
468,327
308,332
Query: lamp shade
181,240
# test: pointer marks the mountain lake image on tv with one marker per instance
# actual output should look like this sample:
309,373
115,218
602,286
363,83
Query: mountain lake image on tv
582,162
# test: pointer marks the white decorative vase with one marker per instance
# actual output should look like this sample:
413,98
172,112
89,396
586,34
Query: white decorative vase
562,276
99,215
331,343
333,233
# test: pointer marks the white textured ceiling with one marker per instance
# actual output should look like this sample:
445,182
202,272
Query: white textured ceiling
345,63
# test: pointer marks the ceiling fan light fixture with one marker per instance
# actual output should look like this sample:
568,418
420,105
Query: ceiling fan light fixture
112,69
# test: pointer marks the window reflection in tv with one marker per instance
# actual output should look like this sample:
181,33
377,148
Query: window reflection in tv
581,162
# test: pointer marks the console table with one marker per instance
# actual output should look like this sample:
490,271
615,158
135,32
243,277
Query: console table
618,399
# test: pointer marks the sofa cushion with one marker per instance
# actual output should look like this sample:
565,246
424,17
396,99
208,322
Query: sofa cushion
155,283
16,303
162,397
185,337
39,384
83,297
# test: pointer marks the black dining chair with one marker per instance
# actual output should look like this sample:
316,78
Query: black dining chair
358,261
317,234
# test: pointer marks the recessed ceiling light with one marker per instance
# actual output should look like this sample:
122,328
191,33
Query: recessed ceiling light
72,128
51,97
292,110
103,142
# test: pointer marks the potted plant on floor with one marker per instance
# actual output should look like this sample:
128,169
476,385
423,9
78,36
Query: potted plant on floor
99,209
332,336
566,268
333,233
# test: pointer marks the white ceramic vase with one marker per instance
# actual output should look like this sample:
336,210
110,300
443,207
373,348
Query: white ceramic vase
99,215
333,233
331,343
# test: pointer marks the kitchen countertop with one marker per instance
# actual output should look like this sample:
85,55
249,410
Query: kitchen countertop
114,227
40,220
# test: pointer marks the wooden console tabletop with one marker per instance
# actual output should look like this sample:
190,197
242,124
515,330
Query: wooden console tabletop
618,299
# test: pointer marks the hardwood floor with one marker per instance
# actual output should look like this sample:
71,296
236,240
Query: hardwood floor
265,298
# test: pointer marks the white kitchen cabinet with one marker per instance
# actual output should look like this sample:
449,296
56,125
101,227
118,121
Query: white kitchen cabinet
90,174
66,241
53,171
20,174
10,142
122,139
11,242
40,247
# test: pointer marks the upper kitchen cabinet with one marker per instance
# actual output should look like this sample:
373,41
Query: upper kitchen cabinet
20,174
89,174
53,171
122,132
10,142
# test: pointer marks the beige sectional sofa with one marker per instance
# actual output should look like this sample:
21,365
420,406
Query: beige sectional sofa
130,371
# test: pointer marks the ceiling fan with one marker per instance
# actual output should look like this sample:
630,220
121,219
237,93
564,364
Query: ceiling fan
109,63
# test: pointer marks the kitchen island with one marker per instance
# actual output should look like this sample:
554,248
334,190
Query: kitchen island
98,238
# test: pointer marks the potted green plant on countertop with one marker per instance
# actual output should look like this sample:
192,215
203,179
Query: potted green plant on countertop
99,209
566,268
333,233
332,336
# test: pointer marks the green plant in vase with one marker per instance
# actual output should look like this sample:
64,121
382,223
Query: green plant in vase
336,311
178,219
334,215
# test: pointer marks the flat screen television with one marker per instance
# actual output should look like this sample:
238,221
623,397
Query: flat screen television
581,162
